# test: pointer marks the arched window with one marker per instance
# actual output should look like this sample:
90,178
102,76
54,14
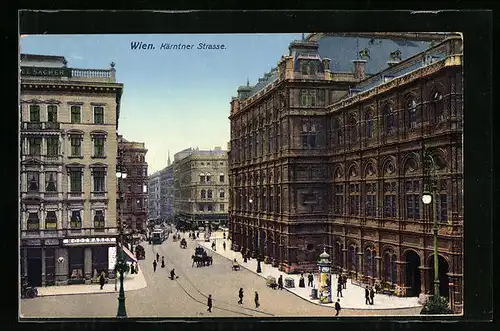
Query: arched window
437,109
209,194
388,120
411,113
369,124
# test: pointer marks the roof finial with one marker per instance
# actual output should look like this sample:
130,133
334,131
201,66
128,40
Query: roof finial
324,248
248,82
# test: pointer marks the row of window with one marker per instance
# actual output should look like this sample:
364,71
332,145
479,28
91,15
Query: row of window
76,150
210,207
75,181
33,220
208,163
75,111
207,194
207,178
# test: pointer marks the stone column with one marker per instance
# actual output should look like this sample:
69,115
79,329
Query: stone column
378,268
62,266
43,266
87,266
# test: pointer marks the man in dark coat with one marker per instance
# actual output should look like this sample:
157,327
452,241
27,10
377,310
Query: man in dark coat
310,279
337,307
257,304
163,262
102,280
367,296
209,303
240,295
154,265
157,257
280,282
372,294
344,281
339,290
172,274
224,245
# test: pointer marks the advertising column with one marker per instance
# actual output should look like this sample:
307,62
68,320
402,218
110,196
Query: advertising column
324,288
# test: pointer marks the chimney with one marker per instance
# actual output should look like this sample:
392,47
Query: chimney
326,64
359,69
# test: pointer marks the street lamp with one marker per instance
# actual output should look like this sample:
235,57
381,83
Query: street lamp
259,268
428,197
121,266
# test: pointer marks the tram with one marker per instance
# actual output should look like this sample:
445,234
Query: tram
158,236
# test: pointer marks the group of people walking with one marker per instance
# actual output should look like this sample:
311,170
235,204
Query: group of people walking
155,266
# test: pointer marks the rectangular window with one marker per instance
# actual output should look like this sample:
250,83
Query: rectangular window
98,146
221,178
210,207
201,207
35,113
203,194
75,181
51,181
209,178
33,181
371,199
99,115
51,220
221,194
35,145
76,115
75,220
338,203
99,219
52,114
209,194
33,222
76,146
221,207
99,176
442,208
52,146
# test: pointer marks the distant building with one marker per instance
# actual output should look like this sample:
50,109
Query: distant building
327,152
161,194
154,198
69,119
134,211
201,188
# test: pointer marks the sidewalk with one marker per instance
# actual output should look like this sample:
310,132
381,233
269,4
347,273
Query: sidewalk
130,283
353,295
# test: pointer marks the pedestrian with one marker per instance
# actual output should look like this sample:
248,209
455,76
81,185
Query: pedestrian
157,257
132,268
198,234
163,262
102,279
224,245
367,296
310,279
257,304
344,281
339,290
240,295
213,245
224,235
154,265
302,282
209,303
245,259
337,307
372,294
280,282
172,274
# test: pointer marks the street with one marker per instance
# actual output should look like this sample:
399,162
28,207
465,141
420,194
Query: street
187,295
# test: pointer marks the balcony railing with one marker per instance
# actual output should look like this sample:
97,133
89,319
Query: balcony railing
62,233
98,195
36,126
74,196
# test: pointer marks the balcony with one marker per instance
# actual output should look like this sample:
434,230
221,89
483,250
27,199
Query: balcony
85,232
41,126
99,196
75,196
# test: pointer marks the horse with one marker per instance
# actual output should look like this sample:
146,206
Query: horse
201,261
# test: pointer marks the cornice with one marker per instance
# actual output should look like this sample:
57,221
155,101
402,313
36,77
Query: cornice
86,87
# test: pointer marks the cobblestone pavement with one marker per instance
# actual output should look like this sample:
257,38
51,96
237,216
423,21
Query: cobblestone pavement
186,296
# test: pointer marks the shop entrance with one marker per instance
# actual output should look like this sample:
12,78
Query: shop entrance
35,266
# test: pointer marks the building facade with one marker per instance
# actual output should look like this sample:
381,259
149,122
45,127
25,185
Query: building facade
134,210
167,193
327,159
154,198
69,119
201,193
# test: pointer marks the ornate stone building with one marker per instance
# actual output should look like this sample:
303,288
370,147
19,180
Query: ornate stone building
321,158
201,188
134,211
69,119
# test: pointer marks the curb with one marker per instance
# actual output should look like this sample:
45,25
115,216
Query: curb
316,303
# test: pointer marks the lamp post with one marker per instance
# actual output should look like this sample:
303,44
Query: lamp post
428,197
121,266
259,268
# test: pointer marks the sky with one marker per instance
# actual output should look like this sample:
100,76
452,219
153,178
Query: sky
172,99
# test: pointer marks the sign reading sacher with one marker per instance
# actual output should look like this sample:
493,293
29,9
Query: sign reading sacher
42,71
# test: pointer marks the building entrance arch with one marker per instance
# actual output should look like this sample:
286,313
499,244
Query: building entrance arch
412,273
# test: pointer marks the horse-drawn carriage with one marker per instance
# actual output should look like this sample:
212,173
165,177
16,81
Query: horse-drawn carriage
200,258
271,282
183,243
140,253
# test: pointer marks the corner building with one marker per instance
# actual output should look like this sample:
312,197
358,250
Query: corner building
68,146
201,187
327,151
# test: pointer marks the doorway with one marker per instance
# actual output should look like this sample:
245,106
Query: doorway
412,280
34,266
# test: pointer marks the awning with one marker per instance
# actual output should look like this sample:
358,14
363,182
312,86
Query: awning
128,254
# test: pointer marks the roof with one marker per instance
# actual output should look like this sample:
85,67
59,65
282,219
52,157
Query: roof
38,57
